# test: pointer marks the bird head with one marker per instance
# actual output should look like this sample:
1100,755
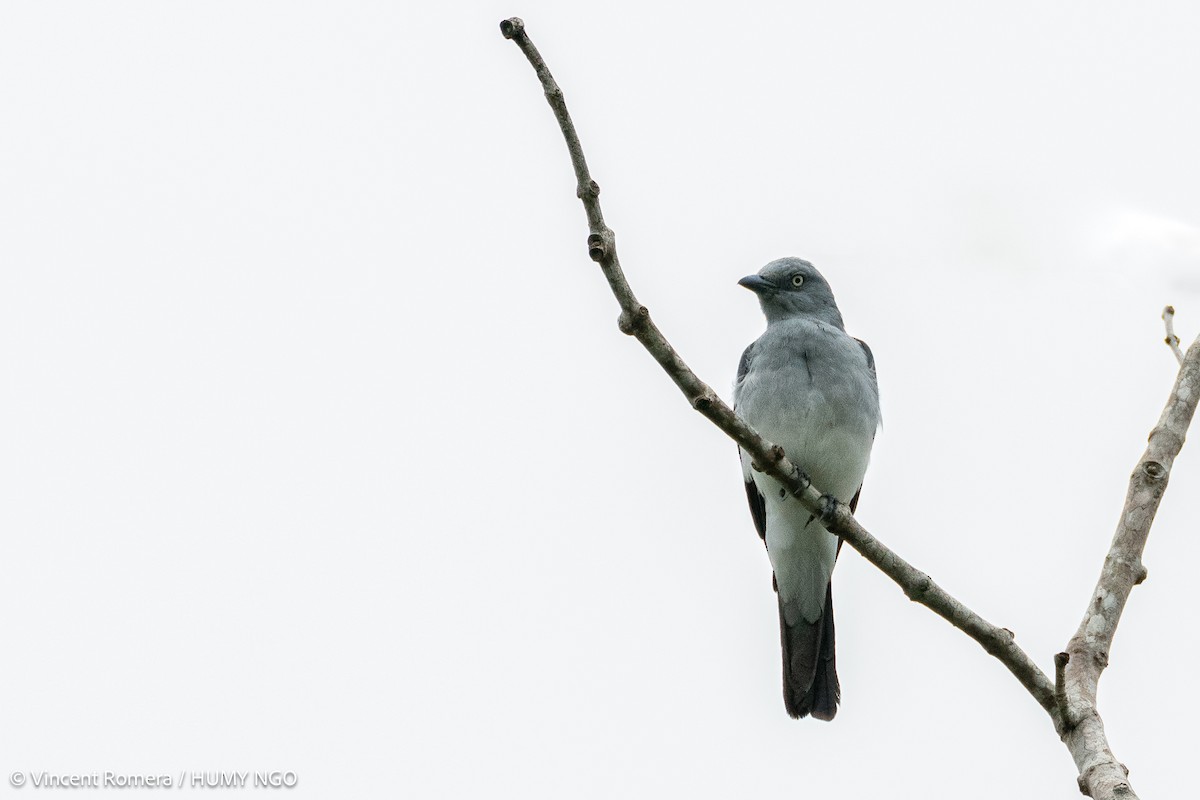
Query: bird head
792,287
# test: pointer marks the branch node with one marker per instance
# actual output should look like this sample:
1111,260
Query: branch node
920,587
702,403
630,324
590,189
776,453
1154,470
511,27
1142,574
597,246
1082,784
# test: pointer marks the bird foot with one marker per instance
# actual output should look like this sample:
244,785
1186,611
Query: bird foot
829,507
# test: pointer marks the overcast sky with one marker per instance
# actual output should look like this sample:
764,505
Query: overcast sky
320,450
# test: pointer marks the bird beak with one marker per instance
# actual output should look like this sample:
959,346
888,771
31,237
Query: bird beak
757,284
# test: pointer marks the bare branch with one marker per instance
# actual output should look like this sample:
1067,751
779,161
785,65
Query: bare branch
1172,340
1070,700
1100,774
770,458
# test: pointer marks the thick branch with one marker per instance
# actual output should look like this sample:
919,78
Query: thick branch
1100,774
635,321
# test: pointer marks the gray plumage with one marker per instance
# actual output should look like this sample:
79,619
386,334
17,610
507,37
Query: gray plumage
809,387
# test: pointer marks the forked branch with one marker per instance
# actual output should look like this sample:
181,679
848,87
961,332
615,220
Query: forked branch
1066,700
1101,776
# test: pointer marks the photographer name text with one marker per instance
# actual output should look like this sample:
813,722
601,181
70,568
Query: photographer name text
120,780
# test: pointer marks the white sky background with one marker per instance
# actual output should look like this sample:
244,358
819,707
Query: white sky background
320,450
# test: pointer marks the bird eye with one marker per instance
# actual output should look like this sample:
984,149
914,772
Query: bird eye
797,280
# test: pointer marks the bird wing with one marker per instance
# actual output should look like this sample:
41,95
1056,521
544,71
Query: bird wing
858,494
867,350
758,503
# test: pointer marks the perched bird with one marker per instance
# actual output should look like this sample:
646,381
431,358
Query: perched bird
809,387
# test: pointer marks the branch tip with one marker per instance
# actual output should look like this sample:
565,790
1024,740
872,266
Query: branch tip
1168,318
513,26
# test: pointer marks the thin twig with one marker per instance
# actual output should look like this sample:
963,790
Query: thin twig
1172,340
635,321
1100,774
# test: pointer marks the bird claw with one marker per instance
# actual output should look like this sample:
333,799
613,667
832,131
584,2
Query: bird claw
829,507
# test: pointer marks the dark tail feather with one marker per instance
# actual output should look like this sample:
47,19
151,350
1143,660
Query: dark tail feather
810,684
